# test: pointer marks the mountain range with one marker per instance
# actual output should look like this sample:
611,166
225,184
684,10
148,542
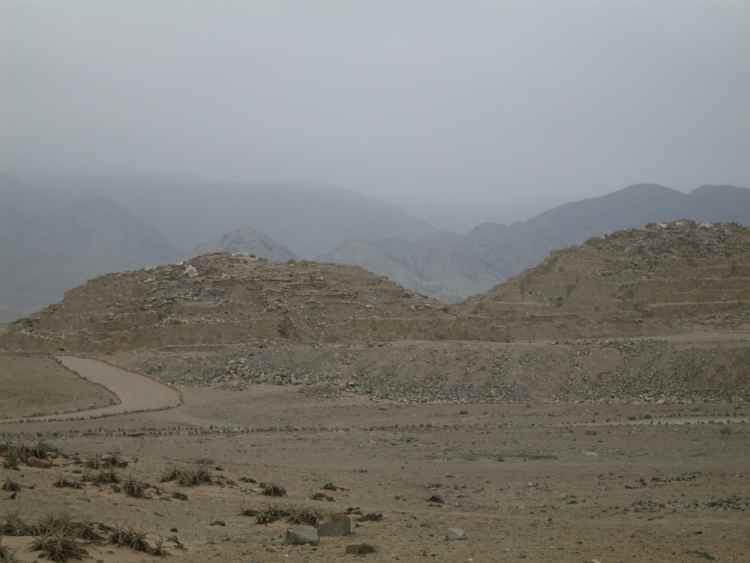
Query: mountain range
55,234
453,267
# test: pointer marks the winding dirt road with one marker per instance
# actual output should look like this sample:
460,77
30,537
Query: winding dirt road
135,392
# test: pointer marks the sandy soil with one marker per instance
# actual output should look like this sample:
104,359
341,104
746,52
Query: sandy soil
527,482
135,393
39,385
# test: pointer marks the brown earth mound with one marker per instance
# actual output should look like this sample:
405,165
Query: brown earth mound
658,279
221,298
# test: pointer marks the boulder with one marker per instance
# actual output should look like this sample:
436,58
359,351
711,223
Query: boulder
302,535
38,462
455,534
335,525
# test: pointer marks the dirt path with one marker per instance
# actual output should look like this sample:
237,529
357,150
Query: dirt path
135,392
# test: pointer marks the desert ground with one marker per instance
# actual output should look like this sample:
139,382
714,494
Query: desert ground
536,480
595,408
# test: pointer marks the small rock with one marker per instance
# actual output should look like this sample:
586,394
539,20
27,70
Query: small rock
39,463
360,549
436,499
218,523
336,525
455,534
302,535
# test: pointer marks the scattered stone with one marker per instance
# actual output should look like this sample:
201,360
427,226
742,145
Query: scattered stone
218,523
302,535
455,534
335,525
436,499
38,463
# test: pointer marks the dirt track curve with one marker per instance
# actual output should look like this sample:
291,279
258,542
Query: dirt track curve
135,392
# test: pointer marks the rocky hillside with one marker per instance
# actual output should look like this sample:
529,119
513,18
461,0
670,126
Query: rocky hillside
220,298
664,275
249,241
664,278
453,267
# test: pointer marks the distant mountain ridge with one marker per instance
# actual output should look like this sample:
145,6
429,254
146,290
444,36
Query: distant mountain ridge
48,245
56,234
250,241
463,265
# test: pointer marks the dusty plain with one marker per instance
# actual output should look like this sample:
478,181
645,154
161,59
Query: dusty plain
526,481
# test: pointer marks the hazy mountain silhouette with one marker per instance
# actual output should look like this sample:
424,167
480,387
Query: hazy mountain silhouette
459,266
248,240
48,245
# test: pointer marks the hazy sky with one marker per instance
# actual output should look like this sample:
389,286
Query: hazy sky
491,108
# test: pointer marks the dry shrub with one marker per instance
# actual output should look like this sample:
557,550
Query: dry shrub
134,488
11,486
272,490
59,548
103,477
63,483
292,514
130,538
188,476
14,525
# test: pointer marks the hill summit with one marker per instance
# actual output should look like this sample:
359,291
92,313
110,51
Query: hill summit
224,299
679,274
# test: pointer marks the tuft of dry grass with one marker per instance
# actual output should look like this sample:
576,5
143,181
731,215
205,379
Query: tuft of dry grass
14,525
272,490
188,476
134,488
130,538
109,460
63,483
103,477
17,454
292,514
11,486
59,548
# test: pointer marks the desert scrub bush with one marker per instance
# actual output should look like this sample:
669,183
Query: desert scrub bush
63,483
15,454
10,485
292,514
267,515
107,461
7,555
308,516
188,476
134,488
13,525
272,490
103,477
130,538
62,525
11,459
42,450
59,548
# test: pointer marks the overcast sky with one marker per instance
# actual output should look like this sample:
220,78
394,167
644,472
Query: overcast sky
491,108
